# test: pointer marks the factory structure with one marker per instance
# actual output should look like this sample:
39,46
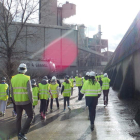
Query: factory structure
51,31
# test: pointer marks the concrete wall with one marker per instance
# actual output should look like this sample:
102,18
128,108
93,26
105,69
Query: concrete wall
34,40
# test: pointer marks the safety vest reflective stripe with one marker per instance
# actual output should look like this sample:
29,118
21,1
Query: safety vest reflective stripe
66,92
34,96
35,99
105,85
20,92
92,93
19,87
43,93
93,90
43,90
79,83
52,90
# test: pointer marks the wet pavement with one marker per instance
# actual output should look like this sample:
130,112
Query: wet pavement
114,122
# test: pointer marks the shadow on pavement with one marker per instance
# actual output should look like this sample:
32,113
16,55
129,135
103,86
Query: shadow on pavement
39,123
7,128
93,135
72,113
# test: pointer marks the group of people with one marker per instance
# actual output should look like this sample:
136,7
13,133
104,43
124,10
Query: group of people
25,93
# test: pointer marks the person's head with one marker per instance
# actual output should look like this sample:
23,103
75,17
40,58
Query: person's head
3,79
33,82
45,78
53,79
66,78
87,76
71,77
105,75
92,75
79,75
22,68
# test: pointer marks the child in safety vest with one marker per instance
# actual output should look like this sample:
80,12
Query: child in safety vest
35,91
3,96
105,88
66,91
54,91
43,96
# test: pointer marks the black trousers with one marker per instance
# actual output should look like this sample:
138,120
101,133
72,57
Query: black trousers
57,103
43,105
91,102
14,106
72,91
80,95
66,99
29,110
47,104
105,92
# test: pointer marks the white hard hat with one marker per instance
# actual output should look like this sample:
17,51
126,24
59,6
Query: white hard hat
92,73
33,82
22,68
87,73
54,78
105,74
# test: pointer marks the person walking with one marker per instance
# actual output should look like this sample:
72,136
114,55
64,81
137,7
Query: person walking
21,92
105,88
47,104
35,91
66,92
43,96
72,84
92,91
4,91
54,90
79,83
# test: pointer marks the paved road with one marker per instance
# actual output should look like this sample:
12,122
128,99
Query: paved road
114,122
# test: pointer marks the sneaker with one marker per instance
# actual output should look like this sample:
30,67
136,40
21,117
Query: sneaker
14,114
25,115
21,137
92,127
51,110
69,108
44,116
64,110
3,114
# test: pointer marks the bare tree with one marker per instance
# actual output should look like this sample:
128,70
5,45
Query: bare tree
14,14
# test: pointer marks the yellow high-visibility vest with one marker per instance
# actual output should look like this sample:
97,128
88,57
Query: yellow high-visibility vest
90,89
44,91
19,84
3,94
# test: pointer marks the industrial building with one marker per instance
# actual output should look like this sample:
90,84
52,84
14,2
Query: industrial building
51,31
